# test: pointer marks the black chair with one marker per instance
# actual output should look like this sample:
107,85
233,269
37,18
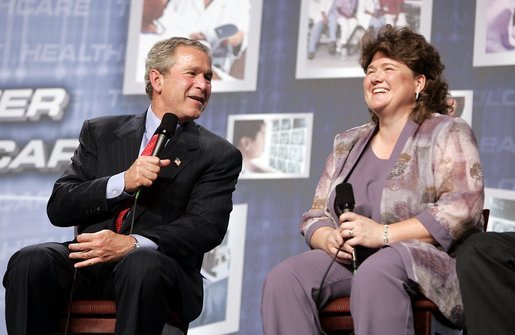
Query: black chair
99,317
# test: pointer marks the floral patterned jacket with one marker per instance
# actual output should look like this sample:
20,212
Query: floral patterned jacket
437,178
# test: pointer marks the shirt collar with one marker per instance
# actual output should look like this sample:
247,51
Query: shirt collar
151,123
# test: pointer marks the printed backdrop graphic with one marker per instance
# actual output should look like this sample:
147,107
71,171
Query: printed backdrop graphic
328,44
64,61
494,42
272,145
229,28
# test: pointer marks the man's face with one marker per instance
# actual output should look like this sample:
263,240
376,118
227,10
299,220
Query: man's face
186,88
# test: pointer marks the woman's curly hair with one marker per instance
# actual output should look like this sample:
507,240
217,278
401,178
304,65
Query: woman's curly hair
411,49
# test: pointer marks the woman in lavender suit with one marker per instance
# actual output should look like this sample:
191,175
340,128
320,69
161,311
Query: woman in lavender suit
418,189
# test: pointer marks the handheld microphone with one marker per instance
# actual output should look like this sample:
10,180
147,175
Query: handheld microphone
165,130
344,201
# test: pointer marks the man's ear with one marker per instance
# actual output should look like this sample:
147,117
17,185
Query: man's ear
245,142
156,79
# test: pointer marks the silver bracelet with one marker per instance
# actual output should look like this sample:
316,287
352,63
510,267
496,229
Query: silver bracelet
386,237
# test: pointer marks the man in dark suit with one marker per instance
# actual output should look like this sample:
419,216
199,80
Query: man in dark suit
486,272
151,265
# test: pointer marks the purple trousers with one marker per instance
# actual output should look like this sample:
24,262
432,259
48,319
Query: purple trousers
380,302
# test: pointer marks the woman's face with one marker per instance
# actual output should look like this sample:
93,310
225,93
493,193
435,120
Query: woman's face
390,86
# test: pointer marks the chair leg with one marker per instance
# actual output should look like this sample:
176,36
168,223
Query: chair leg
423,322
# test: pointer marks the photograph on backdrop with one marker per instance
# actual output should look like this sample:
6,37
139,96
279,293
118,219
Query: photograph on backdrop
226,27
222,269
494,37
502,209
462,101
330,32
272,145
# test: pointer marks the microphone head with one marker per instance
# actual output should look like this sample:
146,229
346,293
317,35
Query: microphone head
344,198
168,125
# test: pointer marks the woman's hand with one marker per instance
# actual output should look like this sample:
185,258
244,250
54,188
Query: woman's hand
331,240
360,230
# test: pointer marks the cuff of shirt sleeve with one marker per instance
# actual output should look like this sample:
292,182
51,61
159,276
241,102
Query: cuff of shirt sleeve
115,186
436,229
311,230
145,242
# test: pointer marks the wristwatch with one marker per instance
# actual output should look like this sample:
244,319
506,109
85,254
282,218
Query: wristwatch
136,243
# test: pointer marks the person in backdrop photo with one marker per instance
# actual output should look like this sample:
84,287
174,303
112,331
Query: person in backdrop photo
393,12
250,138
487,282
347,22
418,190
222,25
500,26
152,11
177,207
370,14
325,18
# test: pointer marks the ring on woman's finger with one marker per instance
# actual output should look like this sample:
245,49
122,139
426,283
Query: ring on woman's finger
350,232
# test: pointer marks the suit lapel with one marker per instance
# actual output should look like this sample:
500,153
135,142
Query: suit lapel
180,149
127,142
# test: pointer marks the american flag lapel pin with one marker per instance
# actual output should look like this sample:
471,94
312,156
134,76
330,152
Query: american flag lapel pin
177,161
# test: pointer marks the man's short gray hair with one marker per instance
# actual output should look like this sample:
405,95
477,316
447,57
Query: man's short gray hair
162,57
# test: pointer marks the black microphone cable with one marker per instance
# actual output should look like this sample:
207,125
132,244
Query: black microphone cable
165,130
319,292
133,211
344,202
69,311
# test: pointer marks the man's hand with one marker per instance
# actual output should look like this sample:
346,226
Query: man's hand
143,172
100,247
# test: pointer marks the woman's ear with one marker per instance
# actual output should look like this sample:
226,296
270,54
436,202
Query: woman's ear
420,83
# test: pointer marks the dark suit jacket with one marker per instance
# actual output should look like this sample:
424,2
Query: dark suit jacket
185,212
